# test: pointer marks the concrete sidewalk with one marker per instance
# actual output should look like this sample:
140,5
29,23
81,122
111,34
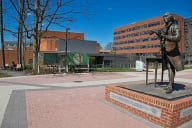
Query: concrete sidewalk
70,100
13,73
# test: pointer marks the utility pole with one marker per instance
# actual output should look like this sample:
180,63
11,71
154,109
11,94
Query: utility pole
2,34
66,41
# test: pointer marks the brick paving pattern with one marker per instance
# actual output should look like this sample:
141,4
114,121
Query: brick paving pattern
45,102
74,108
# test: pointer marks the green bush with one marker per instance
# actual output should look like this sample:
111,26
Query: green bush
28,66
4,75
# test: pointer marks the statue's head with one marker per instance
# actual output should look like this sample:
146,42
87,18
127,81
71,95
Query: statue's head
168,17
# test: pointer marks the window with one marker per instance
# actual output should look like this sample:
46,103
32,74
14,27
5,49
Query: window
137,40
154,24
155,38
157,45
145,39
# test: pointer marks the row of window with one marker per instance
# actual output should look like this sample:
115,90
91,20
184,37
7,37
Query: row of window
134,34
140,47
139,27
137,40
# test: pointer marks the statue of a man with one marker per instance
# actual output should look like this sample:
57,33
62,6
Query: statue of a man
171,36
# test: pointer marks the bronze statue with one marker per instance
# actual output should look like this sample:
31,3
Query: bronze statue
171,57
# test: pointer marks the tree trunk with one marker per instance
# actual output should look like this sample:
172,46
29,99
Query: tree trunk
2,34
35,59
20,34
36,37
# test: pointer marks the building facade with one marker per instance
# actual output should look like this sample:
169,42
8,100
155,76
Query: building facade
188,40
51,41
82,46
11,55
50,38
135,38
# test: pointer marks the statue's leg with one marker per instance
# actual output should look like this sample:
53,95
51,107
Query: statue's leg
171,75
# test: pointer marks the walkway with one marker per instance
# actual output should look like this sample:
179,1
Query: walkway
70,101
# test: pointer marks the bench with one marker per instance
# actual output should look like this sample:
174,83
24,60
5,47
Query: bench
7,66
18,67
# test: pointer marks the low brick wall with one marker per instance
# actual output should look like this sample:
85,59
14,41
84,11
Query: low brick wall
168,114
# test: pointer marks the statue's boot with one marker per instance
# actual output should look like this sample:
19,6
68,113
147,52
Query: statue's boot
170,86
169,89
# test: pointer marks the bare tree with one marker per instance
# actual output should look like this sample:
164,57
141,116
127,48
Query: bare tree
19,6
44,16
45,13
20,32
109,46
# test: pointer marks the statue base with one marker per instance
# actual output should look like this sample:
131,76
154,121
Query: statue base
151,103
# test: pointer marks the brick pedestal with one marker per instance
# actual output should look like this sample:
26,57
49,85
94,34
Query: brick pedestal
168,114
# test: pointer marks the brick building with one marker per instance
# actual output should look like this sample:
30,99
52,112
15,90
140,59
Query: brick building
135,38
52,41
188,40
11,55
50,38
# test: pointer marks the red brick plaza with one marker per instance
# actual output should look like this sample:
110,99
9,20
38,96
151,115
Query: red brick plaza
71,101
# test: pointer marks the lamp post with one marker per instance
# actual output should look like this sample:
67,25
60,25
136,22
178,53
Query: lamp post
114,53
66,39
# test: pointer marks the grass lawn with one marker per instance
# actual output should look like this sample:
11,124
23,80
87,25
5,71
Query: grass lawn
4,75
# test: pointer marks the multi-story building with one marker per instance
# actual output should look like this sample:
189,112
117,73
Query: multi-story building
135,38
188,40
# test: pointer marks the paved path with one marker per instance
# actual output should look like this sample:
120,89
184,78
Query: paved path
70,101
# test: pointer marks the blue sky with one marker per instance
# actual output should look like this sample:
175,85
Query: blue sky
110,14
